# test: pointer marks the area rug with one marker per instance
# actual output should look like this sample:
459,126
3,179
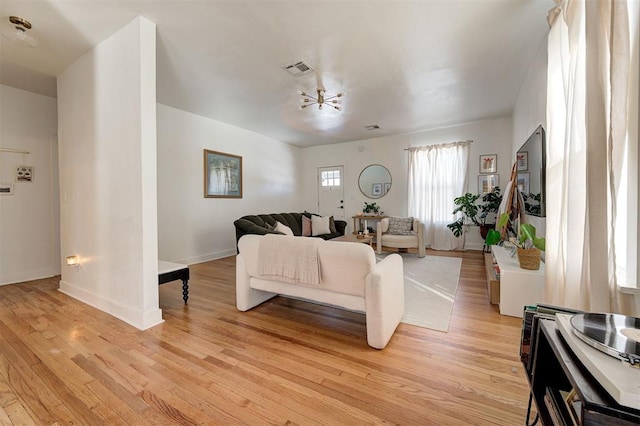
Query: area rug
430,285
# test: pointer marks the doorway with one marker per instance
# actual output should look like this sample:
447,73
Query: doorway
331,191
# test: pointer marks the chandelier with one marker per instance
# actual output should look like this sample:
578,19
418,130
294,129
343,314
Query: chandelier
320,100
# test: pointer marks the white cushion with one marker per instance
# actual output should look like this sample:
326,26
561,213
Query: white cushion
320,225
400,241
344,265
284,229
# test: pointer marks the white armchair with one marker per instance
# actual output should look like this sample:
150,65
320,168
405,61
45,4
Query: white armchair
413,240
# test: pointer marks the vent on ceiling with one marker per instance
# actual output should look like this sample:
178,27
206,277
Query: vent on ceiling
297,68
372,127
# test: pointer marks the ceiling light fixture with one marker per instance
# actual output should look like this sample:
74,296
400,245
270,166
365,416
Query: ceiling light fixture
320,100
16,29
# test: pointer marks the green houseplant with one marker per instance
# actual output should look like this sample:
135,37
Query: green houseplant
529,247
494,237
532,203
474,213
469,209
488,208
370,208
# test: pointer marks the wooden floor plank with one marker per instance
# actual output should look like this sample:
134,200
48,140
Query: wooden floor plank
284,362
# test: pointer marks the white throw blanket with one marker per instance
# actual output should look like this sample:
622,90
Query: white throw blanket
291,259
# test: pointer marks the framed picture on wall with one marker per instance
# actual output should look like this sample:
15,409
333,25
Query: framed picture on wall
376,189
486,183
522,158
222,175
24,174
523,182
489,163
387,187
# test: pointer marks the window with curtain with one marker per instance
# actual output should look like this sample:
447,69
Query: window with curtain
437,175
590,186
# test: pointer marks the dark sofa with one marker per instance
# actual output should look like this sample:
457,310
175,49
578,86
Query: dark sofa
255,224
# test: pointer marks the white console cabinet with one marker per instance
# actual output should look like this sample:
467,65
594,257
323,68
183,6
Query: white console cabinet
518,287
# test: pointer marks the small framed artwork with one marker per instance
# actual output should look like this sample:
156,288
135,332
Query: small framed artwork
522,158
6,189
376,189
24,174
486,183
523,182
387,187
222,175
489,163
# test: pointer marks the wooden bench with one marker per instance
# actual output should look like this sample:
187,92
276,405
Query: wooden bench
169,271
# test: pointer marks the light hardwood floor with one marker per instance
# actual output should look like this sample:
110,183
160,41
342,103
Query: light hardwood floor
284,362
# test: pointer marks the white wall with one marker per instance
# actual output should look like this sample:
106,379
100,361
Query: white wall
530,111
194,229
29,219
107,158
489,136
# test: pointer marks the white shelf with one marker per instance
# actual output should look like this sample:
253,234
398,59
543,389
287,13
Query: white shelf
518,287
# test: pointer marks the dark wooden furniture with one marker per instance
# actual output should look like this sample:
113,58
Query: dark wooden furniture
168,272
554,367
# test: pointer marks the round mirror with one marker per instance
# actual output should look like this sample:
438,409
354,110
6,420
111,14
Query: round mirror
374,181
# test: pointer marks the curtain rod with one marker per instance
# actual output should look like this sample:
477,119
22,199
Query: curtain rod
15,151
435,144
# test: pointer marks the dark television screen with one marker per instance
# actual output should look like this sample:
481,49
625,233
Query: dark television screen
531,173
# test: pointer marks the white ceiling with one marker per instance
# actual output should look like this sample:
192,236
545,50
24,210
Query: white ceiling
405,65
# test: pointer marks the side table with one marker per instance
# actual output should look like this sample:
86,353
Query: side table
360,221
169,271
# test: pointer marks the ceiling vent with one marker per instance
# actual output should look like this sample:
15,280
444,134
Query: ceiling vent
297,68
372,127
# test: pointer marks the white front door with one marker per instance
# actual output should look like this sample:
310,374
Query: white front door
331,191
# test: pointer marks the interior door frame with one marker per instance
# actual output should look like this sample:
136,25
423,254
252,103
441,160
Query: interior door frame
319,171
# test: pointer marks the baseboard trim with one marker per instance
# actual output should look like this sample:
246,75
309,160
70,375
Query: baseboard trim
138,319
205,257
29,276
473,246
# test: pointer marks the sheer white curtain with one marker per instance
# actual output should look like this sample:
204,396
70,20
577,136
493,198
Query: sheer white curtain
587,83
437,175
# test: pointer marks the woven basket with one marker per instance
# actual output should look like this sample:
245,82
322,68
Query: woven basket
529,258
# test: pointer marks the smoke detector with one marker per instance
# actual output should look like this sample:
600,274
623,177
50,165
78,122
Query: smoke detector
297,68
16,30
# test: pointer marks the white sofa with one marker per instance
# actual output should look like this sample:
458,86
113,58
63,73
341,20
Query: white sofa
350,279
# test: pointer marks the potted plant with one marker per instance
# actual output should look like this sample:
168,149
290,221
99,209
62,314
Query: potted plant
529,247
488,208
532,203
469,209
494,237
475,213
371,208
